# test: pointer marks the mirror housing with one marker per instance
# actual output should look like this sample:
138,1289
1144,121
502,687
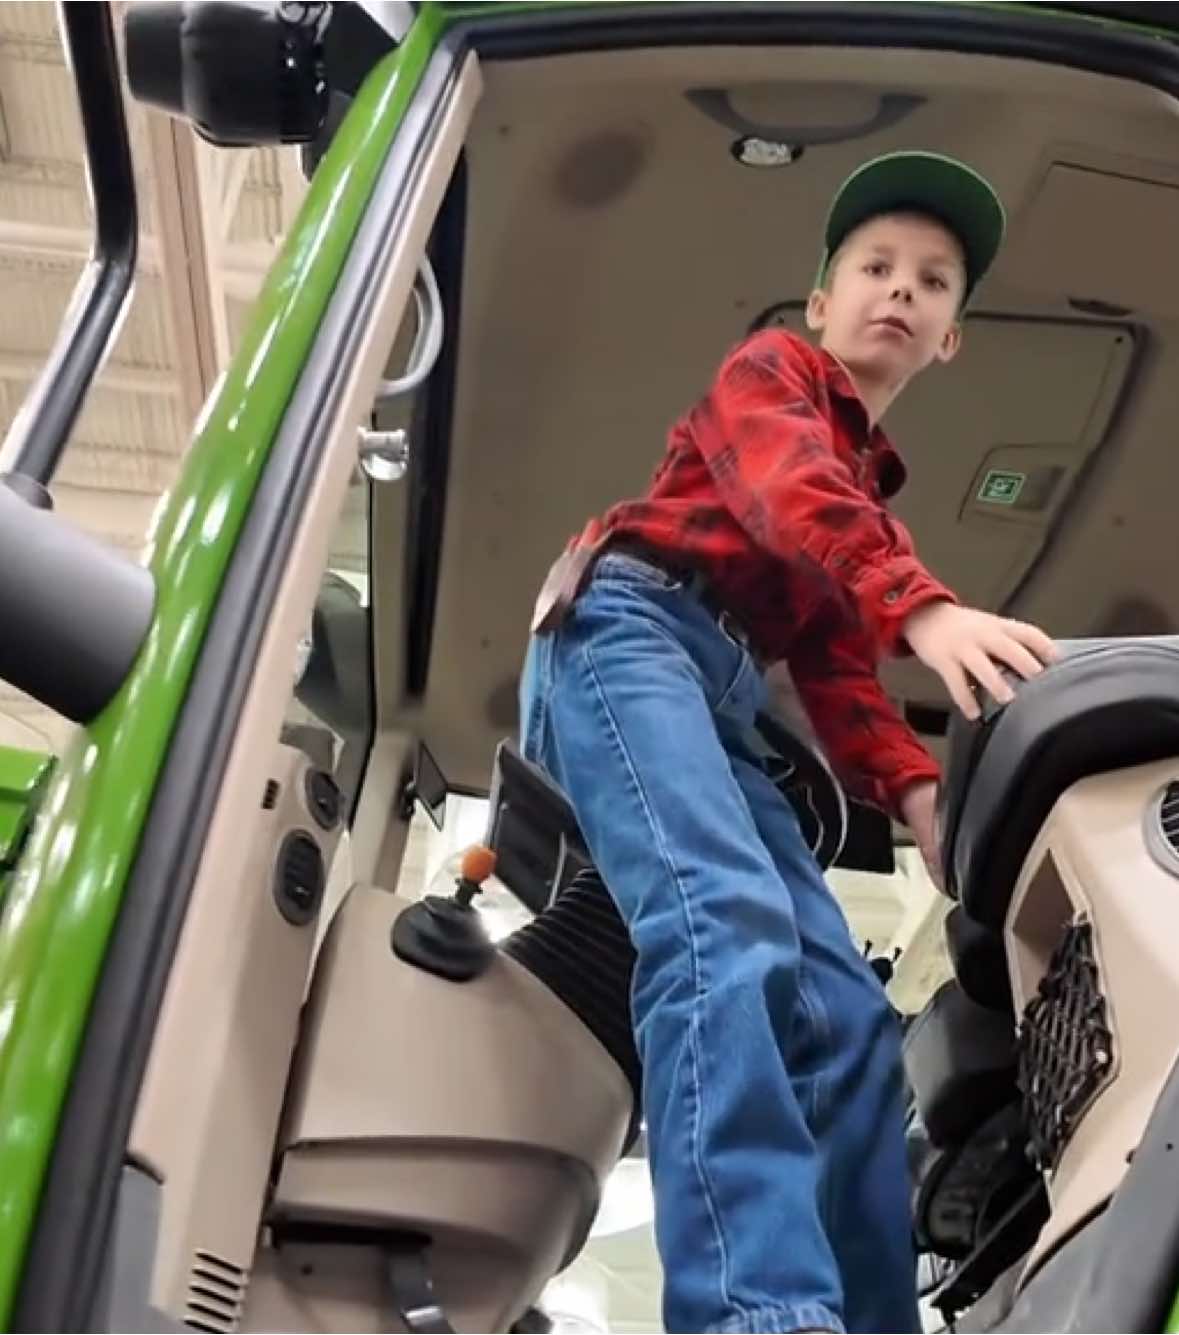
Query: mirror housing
243,75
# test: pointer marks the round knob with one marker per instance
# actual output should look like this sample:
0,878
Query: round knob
478,864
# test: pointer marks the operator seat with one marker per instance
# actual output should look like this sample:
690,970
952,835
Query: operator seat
1106,705
1065,1006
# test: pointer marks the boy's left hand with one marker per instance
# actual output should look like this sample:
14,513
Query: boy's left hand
918,806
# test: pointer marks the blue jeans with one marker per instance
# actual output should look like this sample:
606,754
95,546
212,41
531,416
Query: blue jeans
771,1059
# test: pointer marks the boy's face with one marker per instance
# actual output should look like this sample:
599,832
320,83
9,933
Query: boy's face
891,302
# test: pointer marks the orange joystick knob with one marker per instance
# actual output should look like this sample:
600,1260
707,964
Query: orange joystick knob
477,865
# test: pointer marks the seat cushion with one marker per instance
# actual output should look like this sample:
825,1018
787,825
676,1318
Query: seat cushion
960,1063
979,960
1106,705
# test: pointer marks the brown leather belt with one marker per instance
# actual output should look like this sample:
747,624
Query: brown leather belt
571,572
693,580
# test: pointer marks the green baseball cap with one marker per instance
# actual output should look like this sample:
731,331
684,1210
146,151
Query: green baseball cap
953,193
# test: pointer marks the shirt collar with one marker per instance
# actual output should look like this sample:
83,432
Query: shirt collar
890,469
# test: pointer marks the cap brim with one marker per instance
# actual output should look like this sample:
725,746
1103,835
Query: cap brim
926,183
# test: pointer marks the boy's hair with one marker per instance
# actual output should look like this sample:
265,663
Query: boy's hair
926,184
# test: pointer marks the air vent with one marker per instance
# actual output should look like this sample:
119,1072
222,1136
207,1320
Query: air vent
299,878
1169,816
1162,828
216,1291
323,798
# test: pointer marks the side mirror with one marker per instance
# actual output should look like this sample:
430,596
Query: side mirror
428,786
243,74
75,613
334,685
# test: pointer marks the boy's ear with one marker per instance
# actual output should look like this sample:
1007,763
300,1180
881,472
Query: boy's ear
948,348
816,311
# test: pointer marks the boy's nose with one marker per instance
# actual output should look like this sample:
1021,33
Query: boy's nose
903,292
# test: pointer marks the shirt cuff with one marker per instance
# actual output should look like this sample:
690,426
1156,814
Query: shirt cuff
921,769
890,595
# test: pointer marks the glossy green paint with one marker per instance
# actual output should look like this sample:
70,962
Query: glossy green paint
23,774
66,889
487,9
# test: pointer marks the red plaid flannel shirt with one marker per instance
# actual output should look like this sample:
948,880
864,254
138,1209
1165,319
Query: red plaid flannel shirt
773,486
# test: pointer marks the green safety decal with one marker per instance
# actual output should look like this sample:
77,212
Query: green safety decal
1001,487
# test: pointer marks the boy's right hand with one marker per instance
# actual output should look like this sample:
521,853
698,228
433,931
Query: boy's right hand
962,644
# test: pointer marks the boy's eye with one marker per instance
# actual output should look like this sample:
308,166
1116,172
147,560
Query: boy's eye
877,268
936,281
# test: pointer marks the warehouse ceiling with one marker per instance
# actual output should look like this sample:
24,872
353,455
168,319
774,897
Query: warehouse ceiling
210,223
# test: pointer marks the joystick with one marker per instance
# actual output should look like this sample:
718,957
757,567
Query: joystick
445,935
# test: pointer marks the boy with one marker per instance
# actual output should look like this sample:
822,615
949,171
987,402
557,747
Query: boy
771,1059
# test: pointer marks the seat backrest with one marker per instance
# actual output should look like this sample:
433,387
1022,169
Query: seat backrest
538,844
1105,705
979,959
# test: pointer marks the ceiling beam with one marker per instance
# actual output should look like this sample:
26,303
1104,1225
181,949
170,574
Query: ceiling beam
189,251
243,267
32,239
293,185
234,168
140,380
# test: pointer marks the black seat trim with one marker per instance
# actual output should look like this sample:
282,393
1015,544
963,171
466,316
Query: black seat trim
582,926
1107,705
532,827
960,1062
979,959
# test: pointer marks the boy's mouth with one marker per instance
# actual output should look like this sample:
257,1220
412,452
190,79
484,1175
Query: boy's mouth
895,322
